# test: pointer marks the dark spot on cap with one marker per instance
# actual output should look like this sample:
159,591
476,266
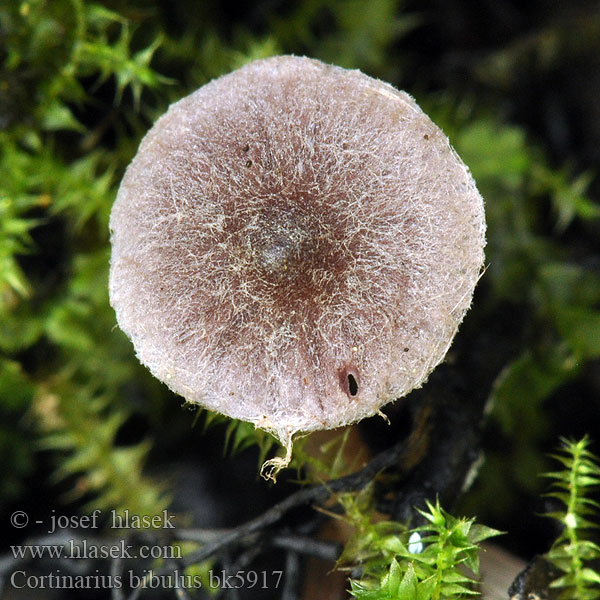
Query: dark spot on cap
349,381
352,385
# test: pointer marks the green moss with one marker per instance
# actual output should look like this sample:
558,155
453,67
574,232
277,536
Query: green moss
80,85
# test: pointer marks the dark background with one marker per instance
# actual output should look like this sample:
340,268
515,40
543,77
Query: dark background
514,85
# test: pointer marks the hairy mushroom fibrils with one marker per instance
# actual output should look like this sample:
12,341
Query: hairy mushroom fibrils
294,245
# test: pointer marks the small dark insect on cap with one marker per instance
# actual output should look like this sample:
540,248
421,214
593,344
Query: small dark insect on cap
294,245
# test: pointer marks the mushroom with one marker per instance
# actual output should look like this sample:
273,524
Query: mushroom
294,245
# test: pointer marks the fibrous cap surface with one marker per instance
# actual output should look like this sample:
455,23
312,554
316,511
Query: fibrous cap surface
294,245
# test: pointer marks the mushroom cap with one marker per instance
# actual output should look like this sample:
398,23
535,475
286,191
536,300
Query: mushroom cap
294,245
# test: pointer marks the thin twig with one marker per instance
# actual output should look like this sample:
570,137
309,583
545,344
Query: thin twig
245,558
315,494
231,593
292,569
115,572
179,590
307,545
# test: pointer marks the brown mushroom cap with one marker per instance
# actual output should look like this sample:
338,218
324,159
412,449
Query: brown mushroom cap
294,245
